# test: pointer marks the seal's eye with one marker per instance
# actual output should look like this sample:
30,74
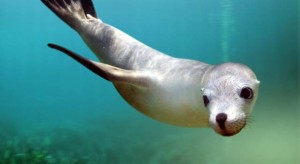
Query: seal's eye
205,100
247,93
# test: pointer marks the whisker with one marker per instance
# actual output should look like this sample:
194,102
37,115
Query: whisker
249,121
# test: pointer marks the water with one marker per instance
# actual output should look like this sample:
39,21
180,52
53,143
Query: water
52,109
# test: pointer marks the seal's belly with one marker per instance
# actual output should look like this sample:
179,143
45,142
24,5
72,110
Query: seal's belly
153,104
138,98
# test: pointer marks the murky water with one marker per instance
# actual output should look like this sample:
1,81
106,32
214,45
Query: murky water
52,109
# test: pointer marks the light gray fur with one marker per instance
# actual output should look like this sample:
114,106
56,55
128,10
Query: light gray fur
174,87
116,48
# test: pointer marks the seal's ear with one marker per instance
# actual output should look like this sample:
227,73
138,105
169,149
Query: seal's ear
108,72
257,82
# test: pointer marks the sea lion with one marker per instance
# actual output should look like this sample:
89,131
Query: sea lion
177,91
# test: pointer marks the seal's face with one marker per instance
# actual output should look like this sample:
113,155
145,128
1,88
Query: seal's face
229,95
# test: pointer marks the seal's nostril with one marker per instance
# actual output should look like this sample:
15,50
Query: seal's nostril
221,118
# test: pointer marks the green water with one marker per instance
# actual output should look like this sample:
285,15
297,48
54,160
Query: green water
54,110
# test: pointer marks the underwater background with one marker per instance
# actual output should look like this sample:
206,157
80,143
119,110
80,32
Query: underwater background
53,110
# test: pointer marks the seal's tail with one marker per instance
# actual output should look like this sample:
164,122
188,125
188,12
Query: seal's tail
73,12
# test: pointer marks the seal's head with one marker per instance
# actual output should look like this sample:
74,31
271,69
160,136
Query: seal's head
229,95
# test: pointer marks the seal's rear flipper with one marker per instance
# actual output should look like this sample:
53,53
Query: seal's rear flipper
108,72
73,12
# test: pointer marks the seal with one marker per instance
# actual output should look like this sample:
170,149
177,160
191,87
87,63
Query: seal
176,91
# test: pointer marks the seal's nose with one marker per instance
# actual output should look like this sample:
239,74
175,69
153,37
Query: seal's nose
221,118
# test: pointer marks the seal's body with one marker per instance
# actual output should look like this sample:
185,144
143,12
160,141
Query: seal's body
176,91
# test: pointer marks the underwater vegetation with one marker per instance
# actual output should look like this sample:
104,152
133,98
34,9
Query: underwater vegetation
11,153
42,146
90,143
37,146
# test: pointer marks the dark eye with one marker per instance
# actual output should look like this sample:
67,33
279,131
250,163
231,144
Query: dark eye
247,93
205,100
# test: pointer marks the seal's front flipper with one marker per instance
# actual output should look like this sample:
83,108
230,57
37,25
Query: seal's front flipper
85,62
108,72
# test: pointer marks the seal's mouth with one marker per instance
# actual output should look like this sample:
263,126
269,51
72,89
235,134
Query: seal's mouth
227,133
227,127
